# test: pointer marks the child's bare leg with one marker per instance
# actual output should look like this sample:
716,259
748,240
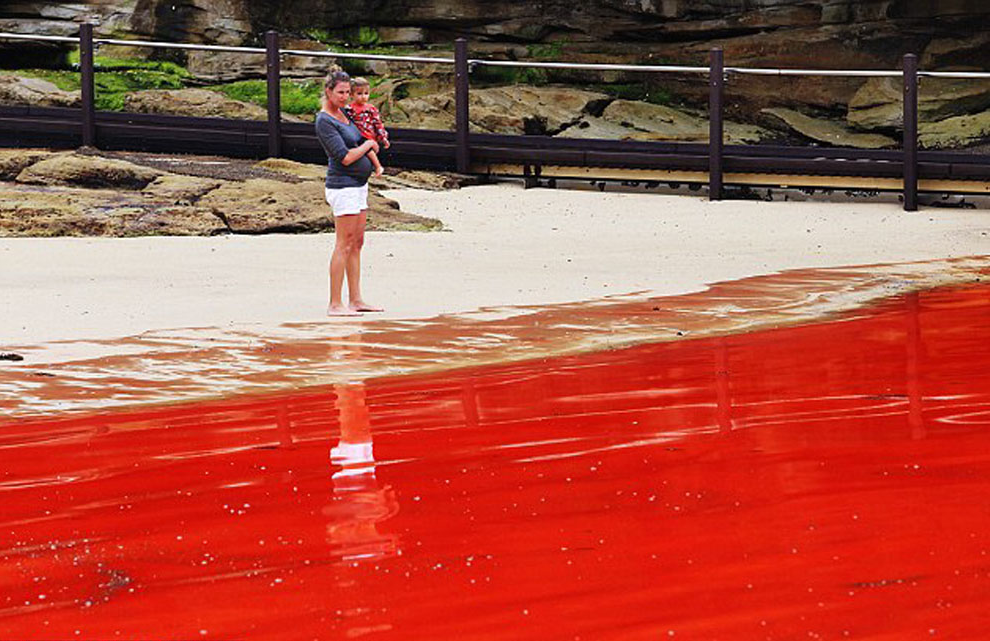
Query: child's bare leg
379,170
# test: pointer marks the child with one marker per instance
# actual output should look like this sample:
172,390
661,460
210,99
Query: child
368,120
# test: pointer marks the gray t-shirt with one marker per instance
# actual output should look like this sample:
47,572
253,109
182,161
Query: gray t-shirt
337,139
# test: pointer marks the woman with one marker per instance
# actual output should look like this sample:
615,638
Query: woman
348,170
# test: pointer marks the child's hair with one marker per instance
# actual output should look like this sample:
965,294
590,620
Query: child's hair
359,82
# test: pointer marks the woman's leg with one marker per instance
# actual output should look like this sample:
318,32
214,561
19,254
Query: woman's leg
345,236
357,302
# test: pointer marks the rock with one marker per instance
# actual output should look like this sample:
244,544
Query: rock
223,22
401,35
87,171
531,110
179,189
293,168
220,66
591,127
259,205
419,180
507,110
660,122
202,103
832,132
60,211
147,201
13,161
16,90
434,111
955,132
878,103
958,53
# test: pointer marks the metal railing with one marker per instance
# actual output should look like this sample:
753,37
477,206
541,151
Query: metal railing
716,72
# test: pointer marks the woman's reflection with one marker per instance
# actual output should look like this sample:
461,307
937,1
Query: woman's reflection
360,501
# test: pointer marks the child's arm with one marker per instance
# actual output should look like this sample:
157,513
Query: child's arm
381,135
373,157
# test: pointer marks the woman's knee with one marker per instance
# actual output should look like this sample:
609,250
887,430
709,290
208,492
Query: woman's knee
357,242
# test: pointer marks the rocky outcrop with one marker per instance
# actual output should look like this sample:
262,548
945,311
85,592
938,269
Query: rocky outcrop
956,132
74,194
830,132
645,121
87,171
878,104
17,90
505,110
192,102
64,211
14,161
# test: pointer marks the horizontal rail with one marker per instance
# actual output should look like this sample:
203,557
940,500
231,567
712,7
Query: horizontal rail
593,66
364,56
176,45
972,75
31,36
850,73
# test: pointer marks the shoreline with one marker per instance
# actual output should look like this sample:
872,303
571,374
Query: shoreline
206,364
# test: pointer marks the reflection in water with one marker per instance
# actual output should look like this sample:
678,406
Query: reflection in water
360,502
822,481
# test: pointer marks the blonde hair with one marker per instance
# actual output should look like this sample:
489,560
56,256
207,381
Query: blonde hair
359,82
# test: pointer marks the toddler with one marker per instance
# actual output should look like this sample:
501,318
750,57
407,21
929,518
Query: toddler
365,115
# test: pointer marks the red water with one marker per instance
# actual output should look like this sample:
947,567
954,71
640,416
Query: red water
826,481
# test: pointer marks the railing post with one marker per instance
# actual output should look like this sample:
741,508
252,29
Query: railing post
716,86
88,94
910,132
273,74
463,150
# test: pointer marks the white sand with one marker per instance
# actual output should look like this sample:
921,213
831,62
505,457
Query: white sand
506,246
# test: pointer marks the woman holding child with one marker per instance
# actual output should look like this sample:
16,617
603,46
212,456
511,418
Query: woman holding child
352,157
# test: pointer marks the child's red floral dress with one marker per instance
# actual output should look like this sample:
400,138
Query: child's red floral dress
369,122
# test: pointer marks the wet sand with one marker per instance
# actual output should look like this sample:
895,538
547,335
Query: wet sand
183,365
819,481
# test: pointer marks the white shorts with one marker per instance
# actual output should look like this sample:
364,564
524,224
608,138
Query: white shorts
348,201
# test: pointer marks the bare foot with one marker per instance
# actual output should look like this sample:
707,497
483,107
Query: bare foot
340,310
361,306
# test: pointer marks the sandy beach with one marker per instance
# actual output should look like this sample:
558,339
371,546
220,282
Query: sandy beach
504,246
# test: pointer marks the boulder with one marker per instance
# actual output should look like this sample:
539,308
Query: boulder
292,168
179,189
970,52
192,102
832,132
878,103
259,206
596,127
87,171
955,132
508,110
13,161
59,211
17,90
647,121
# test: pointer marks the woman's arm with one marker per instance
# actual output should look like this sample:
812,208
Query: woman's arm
354,154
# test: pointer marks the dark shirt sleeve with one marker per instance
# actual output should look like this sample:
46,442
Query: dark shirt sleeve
331,140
